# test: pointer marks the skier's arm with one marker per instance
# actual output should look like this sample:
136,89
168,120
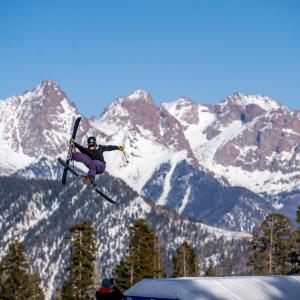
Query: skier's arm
111,148
80,148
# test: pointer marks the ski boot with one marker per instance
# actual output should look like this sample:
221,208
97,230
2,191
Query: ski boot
88,179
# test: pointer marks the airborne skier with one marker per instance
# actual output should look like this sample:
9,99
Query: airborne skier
92,157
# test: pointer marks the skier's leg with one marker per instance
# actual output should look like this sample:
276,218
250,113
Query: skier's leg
96,167
93,168
100,166
87,161
83,158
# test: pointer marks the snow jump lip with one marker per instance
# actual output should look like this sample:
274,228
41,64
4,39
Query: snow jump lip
217,288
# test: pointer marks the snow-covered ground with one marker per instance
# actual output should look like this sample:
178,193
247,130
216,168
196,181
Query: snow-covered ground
217,288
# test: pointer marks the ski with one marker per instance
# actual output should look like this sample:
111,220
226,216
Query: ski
69,157
80,177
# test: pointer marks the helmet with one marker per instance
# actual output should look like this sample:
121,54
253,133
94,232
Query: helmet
91,140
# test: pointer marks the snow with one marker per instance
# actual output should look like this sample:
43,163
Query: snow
184,201
34,213
167,184
145,154
206,152
9,124
13,160
205,149
214,288
265,102
16,120
258,181
194,132
278,205
138,94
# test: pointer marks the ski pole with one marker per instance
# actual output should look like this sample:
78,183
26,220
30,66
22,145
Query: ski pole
126,159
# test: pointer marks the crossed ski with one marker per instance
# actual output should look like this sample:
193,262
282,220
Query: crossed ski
80,177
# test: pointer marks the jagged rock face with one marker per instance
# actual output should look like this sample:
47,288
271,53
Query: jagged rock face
251,112
36,124
252,141
264,144
187,109
33,115
138,113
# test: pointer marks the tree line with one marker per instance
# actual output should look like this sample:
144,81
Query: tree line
276,247
275,250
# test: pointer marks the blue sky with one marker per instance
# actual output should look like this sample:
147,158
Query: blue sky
98,50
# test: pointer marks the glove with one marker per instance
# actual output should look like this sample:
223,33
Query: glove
71,141
121,148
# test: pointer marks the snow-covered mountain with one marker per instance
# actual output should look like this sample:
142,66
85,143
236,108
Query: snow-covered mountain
197,195
36,124
151,136
39,213
174,150
252,141
226,165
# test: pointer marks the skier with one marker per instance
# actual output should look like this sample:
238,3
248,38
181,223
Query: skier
92,157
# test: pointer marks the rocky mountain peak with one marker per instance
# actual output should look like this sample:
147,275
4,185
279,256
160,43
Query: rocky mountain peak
185,110
180,103
137,109
35,123
140,95
241,99
138,100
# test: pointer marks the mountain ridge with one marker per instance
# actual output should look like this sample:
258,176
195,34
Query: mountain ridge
236,141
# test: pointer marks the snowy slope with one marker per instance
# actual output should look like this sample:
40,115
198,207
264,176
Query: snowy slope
42,168
196,194
39,213
194,117
151,136
265,102
250,140
208,288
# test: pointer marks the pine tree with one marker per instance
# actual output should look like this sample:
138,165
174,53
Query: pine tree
295,248
210,271
16,281
122,275
270,246
80,282
185,262
143,259
226,267
141,251
58,295
157,258
34,285
97,273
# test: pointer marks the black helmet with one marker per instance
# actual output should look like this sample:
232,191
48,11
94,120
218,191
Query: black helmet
91,140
